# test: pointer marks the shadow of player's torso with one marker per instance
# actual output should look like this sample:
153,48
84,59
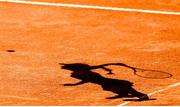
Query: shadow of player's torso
92,77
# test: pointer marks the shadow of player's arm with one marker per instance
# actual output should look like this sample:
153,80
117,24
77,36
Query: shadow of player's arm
109,70
75,84
102,67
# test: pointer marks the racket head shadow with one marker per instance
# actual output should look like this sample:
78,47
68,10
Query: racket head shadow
152,74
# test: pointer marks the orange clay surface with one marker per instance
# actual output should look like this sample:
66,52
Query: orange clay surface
43,36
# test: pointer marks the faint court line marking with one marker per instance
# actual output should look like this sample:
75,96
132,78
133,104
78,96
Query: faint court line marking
19,97
93,7
163,89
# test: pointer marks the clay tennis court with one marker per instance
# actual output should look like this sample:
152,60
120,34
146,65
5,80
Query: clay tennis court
35,38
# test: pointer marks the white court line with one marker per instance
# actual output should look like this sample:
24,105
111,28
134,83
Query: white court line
92,7
164,89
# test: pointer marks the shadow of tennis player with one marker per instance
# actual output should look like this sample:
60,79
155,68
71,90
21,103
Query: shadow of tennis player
122,88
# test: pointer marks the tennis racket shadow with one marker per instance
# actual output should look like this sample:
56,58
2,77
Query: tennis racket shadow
151,74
